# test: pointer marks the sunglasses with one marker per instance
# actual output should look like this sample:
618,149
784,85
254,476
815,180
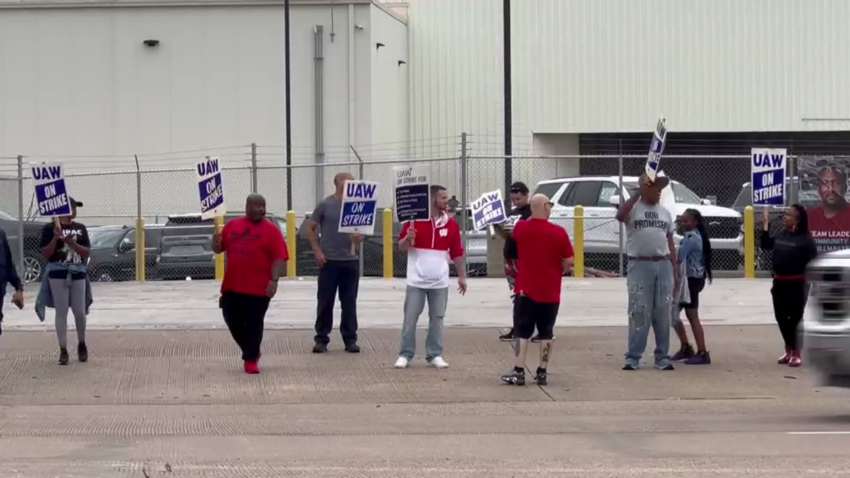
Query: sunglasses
518,191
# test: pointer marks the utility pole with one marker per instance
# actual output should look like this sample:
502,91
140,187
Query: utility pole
506,33
288,108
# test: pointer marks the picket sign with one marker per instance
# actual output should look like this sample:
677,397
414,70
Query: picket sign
210,188
768,176
488,210
656,149
359,204
412,193
51,192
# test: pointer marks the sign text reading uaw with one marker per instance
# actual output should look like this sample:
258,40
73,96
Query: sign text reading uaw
359,202
487,210
210,188
768,176
50,191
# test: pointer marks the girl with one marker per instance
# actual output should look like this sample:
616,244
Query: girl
792,249
695,252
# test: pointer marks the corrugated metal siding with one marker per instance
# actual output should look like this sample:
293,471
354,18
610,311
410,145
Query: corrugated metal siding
614,65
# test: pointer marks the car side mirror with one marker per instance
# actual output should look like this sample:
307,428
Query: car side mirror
705,202
614,201
126,245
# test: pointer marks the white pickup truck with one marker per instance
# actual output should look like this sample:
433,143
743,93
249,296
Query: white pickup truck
826,324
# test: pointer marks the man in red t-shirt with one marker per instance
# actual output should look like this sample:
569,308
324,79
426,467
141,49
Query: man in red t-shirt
545,254
256,259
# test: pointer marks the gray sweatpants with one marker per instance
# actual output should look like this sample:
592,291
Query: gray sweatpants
69,294
414,304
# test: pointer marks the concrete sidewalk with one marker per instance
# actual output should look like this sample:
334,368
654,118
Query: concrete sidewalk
586,302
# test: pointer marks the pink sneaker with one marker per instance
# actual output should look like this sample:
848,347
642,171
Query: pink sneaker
785,359
251,368
796,359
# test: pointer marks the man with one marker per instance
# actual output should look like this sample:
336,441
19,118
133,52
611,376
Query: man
520,212
429,246
830,221
256,260
652,275
545,254
339,269
8,275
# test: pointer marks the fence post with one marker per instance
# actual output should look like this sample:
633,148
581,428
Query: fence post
141,250
464,179
388,243
292,263
578,228
361,175
22,267
749,243
254,185
620,226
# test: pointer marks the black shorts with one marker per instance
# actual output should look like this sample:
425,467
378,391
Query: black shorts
533,314
695,286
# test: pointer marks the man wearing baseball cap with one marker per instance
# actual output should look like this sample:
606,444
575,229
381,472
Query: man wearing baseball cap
652,275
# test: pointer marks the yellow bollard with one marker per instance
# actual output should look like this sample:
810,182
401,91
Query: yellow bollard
749,243
140,250
578,242
291,236
388,243
219,258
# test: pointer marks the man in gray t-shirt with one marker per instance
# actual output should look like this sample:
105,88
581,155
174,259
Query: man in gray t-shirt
652,275
339,269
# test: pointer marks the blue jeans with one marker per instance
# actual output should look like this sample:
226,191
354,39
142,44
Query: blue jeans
414,304
650,287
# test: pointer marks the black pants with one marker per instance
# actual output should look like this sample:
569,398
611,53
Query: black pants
245,316
536,314
345,276
789,302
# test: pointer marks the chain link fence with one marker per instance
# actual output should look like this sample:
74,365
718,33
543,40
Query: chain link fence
160,189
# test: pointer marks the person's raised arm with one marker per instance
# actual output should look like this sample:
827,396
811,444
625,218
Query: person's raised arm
765,240
50,238
407,238
218,243
625,210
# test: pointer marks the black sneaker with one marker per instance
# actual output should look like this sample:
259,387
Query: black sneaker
515,377
684,353
320,348
82,352
63,357
540,377
352,348
508,337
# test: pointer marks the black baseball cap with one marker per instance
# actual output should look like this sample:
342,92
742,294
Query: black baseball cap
519,187
74,202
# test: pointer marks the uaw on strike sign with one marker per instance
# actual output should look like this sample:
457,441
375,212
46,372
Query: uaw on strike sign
210,188
768,176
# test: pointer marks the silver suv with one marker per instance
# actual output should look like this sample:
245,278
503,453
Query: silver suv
827,321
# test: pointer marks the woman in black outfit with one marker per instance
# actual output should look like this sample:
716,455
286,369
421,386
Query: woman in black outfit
792,249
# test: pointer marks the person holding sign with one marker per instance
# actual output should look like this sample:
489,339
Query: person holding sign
339,269
520,212
652,275
66,245
256,260
429,246
9,275
545,254
792,250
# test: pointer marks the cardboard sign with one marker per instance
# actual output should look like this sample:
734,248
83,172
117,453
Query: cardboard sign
659,139
359,203
412,193
488,210
210,188
51,193
768,176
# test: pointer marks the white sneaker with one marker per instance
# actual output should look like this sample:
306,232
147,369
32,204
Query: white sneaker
438,362
402,362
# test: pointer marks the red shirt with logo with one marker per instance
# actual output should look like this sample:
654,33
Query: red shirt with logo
542,246
830,234
251,250
437,242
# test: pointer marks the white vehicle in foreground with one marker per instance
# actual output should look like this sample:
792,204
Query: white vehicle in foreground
826,325
600,196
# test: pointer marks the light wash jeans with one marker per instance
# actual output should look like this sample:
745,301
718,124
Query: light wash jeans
650,287
414,304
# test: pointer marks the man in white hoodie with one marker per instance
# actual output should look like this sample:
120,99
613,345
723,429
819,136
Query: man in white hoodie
429,246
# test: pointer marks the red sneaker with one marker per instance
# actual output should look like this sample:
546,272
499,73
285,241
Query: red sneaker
251,367
796,359
785,359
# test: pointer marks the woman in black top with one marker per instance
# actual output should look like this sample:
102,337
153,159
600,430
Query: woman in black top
792,249
66,245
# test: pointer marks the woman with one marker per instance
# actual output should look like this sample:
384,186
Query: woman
792,249
65,244
695,256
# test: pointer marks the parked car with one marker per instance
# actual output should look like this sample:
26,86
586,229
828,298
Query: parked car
113,253
826,325
600,196
33,263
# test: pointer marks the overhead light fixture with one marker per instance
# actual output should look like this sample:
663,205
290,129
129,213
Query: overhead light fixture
151,43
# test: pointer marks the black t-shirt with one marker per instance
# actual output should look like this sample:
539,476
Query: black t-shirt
64,253
516,215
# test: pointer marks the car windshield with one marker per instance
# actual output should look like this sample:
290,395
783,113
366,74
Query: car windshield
683,194
101,238
548,189
282,226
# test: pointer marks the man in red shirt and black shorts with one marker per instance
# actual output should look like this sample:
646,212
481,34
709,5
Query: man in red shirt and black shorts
545,254
256,259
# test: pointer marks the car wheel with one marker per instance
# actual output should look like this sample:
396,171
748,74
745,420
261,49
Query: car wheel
104,276
33,269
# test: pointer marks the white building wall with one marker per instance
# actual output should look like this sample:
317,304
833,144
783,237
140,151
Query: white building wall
77,85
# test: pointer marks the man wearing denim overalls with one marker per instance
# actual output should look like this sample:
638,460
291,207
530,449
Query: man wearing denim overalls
652,275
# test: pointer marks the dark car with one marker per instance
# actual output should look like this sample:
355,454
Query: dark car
113,253
33,263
